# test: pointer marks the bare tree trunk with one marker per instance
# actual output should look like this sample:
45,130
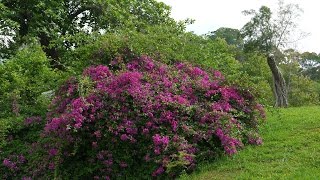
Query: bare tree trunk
279,84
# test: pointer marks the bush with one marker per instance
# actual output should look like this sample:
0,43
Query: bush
257,76
26,85
143,118
169,45
21,153
303,91
23,79
162,43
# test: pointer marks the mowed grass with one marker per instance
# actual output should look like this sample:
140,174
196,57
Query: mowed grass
291,150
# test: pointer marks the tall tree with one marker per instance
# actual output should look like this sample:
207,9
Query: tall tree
269,35
230,35
49,20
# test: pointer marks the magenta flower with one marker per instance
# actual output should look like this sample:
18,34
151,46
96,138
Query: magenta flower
32,120
53,152
160,140
94,144
97,134
123,164
6,162
124,137
158,171
26,178
97,73
51,166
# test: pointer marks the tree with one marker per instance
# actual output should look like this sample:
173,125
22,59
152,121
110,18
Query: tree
230,35
23,79
290,66
300,77
310,64
52,20
268,35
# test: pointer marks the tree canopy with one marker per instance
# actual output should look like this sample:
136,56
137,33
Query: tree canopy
230,35
50,21
266,31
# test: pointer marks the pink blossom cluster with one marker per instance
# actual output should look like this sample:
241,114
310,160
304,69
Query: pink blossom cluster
151,113
33,120
160,143
13,162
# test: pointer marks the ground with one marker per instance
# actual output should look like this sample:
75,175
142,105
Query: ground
291,150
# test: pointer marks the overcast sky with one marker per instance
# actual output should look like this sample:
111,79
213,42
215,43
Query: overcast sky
212,14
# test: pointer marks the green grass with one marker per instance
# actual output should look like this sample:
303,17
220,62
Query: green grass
291,150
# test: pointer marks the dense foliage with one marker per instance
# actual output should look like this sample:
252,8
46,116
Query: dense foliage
163,43
52,22
26,84
143,119
23,79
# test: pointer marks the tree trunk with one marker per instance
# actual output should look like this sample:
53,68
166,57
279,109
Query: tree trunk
279,84
51,52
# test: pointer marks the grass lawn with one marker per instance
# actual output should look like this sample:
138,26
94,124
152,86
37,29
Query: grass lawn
291,150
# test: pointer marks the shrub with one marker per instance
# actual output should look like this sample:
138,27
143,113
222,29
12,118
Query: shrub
143,119
23,79
167,44
303,91
146,118
26,81
163,43
24,153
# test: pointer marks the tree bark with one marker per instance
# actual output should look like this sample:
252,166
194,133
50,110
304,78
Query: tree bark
279,84
51,52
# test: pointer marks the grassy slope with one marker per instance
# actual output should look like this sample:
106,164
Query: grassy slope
291,150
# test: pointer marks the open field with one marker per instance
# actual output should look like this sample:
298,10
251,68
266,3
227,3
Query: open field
291,150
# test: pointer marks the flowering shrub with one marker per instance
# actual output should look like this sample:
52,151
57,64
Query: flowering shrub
144,119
